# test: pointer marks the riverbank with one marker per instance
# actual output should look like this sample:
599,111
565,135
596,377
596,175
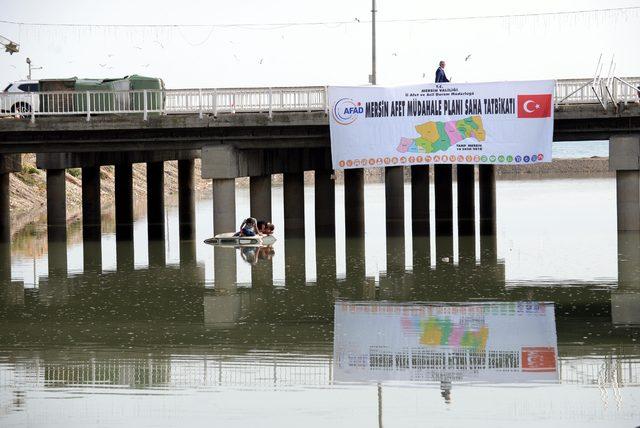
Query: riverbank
28,188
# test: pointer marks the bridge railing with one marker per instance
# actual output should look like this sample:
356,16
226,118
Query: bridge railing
214,101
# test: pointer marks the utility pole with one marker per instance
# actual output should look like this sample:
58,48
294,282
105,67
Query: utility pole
372,77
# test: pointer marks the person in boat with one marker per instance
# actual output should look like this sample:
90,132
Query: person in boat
249,227
265,227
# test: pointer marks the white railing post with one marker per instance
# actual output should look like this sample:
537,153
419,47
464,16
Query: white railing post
270,103
215,103
88,106
200,103
144,103
233,103
326,100
308,100
33,107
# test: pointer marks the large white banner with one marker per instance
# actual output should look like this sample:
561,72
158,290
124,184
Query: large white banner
494,342
441,123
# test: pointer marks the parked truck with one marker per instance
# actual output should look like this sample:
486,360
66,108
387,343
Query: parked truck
73,95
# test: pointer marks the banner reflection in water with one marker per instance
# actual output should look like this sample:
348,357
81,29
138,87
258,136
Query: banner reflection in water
493,342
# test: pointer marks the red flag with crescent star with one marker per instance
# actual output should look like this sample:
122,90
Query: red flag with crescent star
534,106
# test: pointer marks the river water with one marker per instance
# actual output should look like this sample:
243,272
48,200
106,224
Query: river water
537,326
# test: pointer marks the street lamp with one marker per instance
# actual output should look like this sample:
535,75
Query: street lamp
31,68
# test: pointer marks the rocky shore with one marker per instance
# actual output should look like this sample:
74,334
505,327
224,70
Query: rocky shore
28,188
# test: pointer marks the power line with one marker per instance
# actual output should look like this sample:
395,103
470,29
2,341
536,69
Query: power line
298,24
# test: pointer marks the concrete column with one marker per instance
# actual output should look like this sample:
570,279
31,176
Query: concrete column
224,205
186,199
91,206
124,201
325,203
628,200
465,180
155,200
5,263
394,200
260,197
56,206
295,265
487,188
354,203
443,177
355,264
124,255
420,200
625,299
57,259
157,253
5,213
293,192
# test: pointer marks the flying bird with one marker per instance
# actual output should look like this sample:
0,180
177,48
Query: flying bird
137,47
261,59
110,55
146,65
357,20
102,65
467,58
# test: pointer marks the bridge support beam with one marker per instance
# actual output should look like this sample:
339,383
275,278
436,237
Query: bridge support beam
260,197
186,199
5,209
293,195
354,203
224,220
624,159
394,200
155,201
443,180
56,205
420,200
124,201
8,164
465,181
325,204
91,219
487,187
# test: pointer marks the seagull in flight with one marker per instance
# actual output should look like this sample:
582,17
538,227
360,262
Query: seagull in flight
467,58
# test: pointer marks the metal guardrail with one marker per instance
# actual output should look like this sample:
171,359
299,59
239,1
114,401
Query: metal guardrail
255,100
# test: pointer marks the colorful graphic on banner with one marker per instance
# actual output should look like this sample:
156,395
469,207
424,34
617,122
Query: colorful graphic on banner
492,123
497,342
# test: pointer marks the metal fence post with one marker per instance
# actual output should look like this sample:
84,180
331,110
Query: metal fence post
88,107
33,107
200,103
144,103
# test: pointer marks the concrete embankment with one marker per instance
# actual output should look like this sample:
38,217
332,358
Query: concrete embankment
28,188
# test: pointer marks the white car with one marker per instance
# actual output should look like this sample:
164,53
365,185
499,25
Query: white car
17,98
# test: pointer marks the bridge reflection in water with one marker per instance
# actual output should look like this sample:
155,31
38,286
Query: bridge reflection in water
160,328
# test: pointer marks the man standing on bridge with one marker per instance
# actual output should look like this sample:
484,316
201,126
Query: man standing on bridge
440,76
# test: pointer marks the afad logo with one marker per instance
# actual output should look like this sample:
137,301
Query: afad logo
346,111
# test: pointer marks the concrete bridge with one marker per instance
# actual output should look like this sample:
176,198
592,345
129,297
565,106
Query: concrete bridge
263,131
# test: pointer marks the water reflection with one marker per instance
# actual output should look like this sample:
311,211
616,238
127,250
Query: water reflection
490,342
266,325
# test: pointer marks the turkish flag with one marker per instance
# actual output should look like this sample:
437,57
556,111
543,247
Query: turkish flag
534,106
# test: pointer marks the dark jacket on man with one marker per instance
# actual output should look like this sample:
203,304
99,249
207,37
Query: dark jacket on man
440,76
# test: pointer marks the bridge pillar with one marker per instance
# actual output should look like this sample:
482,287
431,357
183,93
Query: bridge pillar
91,206
224,205
155,201
394,200
5,209
293,195
487,187
465,181
91,219
8,164
56,205
443,180
325,204
354,203
124,201
420,200
624,159
186,199
260,197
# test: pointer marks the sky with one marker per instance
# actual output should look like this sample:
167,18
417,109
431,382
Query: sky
336,51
